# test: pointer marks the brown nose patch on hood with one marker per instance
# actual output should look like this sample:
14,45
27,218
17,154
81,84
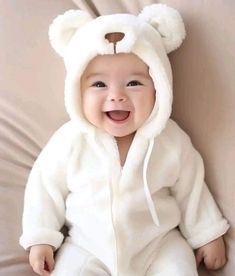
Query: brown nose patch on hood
114,38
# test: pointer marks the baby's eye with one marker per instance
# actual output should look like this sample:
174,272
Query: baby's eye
99,84
134,83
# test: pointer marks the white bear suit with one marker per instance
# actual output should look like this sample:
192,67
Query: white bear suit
146,217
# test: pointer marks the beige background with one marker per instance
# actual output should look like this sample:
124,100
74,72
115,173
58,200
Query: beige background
31,101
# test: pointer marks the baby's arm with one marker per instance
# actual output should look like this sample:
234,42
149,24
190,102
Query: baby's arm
46,193
213,254
41,258
201,220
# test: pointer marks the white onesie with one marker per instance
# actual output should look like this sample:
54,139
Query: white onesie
120,217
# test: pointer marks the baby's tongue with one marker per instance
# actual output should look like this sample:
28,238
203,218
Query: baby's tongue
118,115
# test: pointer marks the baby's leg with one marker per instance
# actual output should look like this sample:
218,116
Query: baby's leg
73,261
175,257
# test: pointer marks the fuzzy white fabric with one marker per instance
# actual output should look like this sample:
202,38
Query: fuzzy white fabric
119,214
73,260
78,180
150,35
168,22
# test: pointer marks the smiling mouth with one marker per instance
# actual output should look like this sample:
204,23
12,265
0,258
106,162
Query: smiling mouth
118,115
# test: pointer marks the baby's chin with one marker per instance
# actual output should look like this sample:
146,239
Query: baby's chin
120,130
122,135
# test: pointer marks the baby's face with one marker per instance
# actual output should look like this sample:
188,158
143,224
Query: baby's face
118,94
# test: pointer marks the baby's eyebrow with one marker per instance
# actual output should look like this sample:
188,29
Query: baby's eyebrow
140,74
93,75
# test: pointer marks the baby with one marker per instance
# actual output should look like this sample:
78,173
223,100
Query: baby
121,175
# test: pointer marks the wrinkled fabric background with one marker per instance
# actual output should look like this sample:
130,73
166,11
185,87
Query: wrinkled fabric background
32,108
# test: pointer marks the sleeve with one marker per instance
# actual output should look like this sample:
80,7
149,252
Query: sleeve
45,194
201,220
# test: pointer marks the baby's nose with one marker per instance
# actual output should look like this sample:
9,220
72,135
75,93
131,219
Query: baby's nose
117,99
117,96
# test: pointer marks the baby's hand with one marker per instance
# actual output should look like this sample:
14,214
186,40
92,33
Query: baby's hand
41,259
213,254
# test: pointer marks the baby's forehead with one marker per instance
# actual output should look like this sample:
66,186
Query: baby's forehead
127,62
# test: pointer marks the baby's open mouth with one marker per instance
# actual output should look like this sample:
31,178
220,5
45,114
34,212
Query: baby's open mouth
118,115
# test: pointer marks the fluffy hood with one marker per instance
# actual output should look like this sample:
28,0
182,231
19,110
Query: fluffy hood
151,35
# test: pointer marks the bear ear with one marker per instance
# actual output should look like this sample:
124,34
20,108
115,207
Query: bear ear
64,27
168,22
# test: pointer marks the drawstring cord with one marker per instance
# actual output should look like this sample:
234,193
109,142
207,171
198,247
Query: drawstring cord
150,202
151,206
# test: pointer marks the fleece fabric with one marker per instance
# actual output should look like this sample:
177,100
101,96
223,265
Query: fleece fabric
78,180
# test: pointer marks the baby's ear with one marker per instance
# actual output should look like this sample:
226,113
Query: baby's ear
64,27
168,22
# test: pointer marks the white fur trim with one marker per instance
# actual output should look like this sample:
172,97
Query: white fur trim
64,26
140,38
168,22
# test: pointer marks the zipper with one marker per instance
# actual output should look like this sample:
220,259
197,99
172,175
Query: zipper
116,174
